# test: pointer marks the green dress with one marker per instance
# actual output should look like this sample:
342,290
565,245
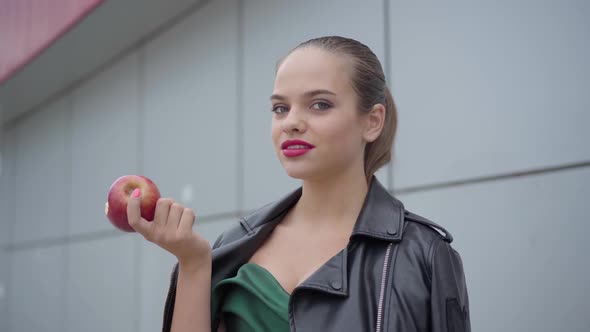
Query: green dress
253,301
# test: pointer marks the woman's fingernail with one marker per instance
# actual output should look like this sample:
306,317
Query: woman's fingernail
136,192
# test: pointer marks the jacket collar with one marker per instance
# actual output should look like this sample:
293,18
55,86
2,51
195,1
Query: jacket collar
381,216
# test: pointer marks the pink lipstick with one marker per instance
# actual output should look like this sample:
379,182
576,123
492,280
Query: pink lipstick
295,148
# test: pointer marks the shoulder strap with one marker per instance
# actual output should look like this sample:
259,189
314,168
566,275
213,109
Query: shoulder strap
421,220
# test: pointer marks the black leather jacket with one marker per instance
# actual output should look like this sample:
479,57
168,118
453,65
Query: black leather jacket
398,273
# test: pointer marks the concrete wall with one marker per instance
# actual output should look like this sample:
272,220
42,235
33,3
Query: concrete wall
494,109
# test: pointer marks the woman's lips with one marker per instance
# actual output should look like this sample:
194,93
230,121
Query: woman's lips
295,148
291,153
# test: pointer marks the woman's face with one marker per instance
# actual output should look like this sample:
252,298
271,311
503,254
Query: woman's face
317,129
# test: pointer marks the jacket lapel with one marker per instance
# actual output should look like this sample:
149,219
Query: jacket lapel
237,248
380,218
228,258
332,277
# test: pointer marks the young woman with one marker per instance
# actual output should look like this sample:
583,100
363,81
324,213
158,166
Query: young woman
339,253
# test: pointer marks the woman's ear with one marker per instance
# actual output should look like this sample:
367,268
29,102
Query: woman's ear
375,120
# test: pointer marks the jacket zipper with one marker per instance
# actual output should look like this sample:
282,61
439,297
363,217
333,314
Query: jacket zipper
168,301
382,291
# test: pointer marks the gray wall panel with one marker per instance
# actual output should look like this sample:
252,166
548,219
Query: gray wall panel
42,165
489,87
4,285
101,285
7,185
7,216
523,244
36,294
271,29
104,142
189,141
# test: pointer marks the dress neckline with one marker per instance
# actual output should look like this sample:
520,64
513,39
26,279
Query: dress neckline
269,274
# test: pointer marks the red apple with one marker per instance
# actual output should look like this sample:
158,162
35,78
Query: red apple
118,196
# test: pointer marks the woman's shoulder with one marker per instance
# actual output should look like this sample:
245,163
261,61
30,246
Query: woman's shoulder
249,223
421,236
233,233
242,227
428,240
430,229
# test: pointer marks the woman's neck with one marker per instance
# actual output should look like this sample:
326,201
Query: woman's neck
333,202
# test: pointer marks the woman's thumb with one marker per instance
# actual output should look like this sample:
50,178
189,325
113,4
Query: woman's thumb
134,212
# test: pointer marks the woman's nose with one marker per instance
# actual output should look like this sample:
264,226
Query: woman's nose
294,121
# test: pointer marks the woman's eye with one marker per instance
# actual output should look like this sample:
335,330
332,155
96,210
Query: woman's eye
278,109
321,106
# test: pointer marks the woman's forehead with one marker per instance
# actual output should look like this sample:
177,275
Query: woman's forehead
312,68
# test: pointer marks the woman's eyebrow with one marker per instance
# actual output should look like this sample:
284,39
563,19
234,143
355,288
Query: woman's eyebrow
278,97
307,94
312,93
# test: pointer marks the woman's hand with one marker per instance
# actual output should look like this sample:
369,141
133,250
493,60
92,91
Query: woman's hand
171,229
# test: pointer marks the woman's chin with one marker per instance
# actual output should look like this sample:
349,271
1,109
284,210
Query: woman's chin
298,173
305,174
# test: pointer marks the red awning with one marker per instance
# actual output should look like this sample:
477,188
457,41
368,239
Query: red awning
27,27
